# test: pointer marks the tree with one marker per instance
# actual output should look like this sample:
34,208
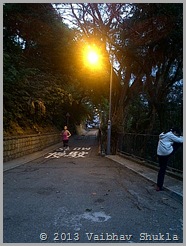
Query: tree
162,59
146,45
144,41
38,50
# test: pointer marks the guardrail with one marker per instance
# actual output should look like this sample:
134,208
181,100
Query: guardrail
144,146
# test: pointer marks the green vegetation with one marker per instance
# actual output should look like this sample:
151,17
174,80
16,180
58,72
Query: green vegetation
45,76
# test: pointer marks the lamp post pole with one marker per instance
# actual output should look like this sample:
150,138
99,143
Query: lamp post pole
109,119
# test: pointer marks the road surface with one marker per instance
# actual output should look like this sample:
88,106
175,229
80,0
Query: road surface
78,196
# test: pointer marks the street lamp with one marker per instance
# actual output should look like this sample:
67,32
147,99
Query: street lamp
93,58
110,109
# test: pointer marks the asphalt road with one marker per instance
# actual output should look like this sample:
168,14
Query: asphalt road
81,197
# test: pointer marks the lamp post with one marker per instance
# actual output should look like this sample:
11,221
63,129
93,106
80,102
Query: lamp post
93,56
110,111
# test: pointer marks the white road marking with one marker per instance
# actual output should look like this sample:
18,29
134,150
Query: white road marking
77,152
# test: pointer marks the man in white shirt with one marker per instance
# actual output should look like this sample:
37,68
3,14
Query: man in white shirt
168,143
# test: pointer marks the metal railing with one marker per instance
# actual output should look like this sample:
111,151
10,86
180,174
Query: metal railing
144,146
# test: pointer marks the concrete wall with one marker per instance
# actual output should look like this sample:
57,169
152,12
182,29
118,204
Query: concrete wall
17,146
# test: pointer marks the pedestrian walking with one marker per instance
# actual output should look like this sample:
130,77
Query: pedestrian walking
168,143
65,137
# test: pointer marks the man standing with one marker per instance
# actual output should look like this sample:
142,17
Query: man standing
168,143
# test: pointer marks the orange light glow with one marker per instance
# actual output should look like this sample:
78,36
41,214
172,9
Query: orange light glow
92,57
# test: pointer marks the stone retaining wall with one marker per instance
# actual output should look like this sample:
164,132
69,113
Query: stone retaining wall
17,146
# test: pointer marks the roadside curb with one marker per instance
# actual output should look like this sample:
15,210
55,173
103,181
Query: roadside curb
173,186
28,158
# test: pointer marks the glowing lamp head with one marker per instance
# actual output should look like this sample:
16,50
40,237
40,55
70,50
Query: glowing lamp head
93,57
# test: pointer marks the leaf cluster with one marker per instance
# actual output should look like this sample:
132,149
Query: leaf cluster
41,78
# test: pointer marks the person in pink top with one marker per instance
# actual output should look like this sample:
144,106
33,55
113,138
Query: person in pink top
65,134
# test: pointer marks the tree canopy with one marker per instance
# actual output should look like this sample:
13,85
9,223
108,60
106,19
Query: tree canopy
45,77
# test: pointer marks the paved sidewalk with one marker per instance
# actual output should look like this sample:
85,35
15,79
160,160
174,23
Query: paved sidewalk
173,185
27,158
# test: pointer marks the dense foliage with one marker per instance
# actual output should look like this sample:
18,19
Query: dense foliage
42,82
45,77
146,43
